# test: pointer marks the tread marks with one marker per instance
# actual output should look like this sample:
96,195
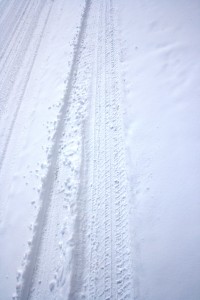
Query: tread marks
101,167
82,83
100,279
3,6
109,264
12,62
15,39
109,280
123,261
9,31
8,13
94,226
51,175
89,196
106,238
19,97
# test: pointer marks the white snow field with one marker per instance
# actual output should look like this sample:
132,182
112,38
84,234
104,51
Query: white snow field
99,150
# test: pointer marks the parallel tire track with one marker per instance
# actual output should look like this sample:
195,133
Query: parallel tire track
101,264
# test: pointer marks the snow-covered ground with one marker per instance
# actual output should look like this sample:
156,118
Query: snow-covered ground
99,149
161,67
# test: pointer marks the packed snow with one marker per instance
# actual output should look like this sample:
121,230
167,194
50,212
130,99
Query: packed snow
99,150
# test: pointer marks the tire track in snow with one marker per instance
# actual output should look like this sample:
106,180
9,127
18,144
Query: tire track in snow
48,183
82,229
14,38
11,63
53,272
8,32
22,92
106,245
3,5
118,164
5,10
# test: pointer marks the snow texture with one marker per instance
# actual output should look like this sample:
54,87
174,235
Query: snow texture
99,150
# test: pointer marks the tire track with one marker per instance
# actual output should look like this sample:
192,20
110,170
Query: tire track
95,223
9,31
49,181
54,271
16,37
16,53
6,9
118,161
9,129
106,245
2,8
81,228
89,221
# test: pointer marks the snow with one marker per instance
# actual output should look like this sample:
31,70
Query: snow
26,157
160,59
99,149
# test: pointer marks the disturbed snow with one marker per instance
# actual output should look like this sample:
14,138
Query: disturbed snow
99,149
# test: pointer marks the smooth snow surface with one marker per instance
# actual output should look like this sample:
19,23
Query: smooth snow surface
161,65
99,150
